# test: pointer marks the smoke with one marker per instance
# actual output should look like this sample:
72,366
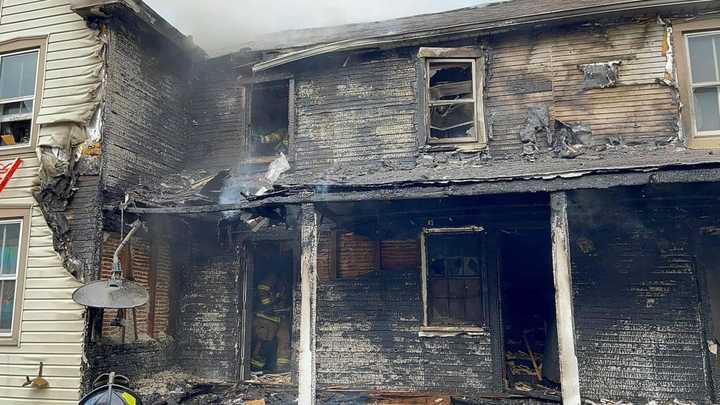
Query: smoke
219,26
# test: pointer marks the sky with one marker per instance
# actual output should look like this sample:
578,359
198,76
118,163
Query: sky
220,25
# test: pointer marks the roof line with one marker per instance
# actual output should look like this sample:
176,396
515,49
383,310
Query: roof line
354,44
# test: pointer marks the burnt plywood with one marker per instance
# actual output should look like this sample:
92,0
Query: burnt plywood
638,325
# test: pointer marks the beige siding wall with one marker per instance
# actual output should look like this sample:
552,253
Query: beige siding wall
51,324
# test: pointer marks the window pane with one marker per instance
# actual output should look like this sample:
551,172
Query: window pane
438,311
17,75
473,311
452,121
451,80
439,288
457,311
9,243
15,132
7,305
11,110
707,110
702,62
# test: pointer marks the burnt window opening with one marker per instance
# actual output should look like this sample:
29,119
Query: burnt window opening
454,272
18,87
528,310
452,108
269,119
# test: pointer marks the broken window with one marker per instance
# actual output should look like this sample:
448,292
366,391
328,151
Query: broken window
454,277
704,63
12,244
18,82
452,109
269,119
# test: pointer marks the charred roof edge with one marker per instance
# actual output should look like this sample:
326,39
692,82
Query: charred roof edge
103,8
522,20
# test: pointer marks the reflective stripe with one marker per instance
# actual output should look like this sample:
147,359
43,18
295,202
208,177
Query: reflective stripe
283,360
271,318
257,363
266,301
264,287
128,398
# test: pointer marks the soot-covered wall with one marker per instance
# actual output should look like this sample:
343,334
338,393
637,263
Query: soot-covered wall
639,328
145,132
368,327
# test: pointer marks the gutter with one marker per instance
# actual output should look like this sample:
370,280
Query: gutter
523,20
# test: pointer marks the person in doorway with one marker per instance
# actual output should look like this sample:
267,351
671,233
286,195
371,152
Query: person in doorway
271,323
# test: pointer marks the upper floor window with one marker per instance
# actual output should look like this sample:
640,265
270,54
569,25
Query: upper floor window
269,107
454,97
704,61
18,89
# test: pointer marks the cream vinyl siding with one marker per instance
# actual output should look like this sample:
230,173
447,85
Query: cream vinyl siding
51,323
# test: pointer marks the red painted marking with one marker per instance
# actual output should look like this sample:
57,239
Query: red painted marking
7,171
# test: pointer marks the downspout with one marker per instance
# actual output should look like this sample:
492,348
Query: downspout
116,279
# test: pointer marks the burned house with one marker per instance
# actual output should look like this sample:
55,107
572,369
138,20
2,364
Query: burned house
511,203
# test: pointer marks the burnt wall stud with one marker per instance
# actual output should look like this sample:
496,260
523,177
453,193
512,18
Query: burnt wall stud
308,287
563,299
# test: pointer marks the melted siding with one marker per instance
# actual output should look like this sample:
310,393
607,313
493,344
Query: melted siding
51,325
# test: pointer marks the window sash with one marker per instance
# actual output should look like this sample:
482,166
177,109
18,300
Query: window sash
427,279
11,277
702,85
37,70
434,103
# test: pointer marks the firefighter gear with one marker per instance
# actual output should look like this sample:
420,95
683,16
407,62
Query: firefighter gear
270,324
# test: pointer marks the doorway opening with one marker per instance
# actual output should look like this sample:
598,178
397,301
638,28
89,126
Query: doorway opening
269,303
528,312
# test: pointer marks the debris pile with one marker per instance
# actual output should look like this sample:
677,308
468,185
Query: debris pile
174,388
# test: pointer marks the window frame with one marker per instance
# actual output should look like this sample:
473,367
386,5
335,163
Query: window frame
682,32
473,55
426,327
14,214
247,86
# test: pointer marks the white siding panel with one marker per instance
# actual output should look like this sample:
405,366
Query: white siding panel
52,324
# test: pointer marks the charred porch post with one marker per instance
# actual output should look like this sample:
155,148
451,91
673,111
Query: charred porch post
570,378
308,285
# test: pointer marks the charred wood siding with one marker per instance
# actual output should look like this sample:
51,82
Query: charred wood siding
368,330
359,113
218,117
638,324
541,68
209,318
85,219
145,128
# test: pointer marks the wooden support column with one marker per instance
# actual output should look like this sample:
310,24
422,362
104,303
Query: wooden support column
570,377
308,285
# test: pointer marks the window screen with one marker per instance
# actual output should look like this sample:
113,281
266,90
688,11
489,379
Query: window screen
451,101
18,77
9,260
455,269
704,59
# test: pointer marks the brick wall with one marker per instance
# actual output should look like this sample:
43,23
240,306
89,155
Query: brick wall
149,270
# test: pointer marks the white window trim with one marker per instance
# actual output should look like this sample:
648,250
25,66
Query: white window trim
430,103
32,114
686,38
15,277
427,330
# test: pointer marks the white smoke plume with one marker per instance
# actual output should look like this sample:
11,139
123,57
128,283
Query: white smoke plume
218,26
